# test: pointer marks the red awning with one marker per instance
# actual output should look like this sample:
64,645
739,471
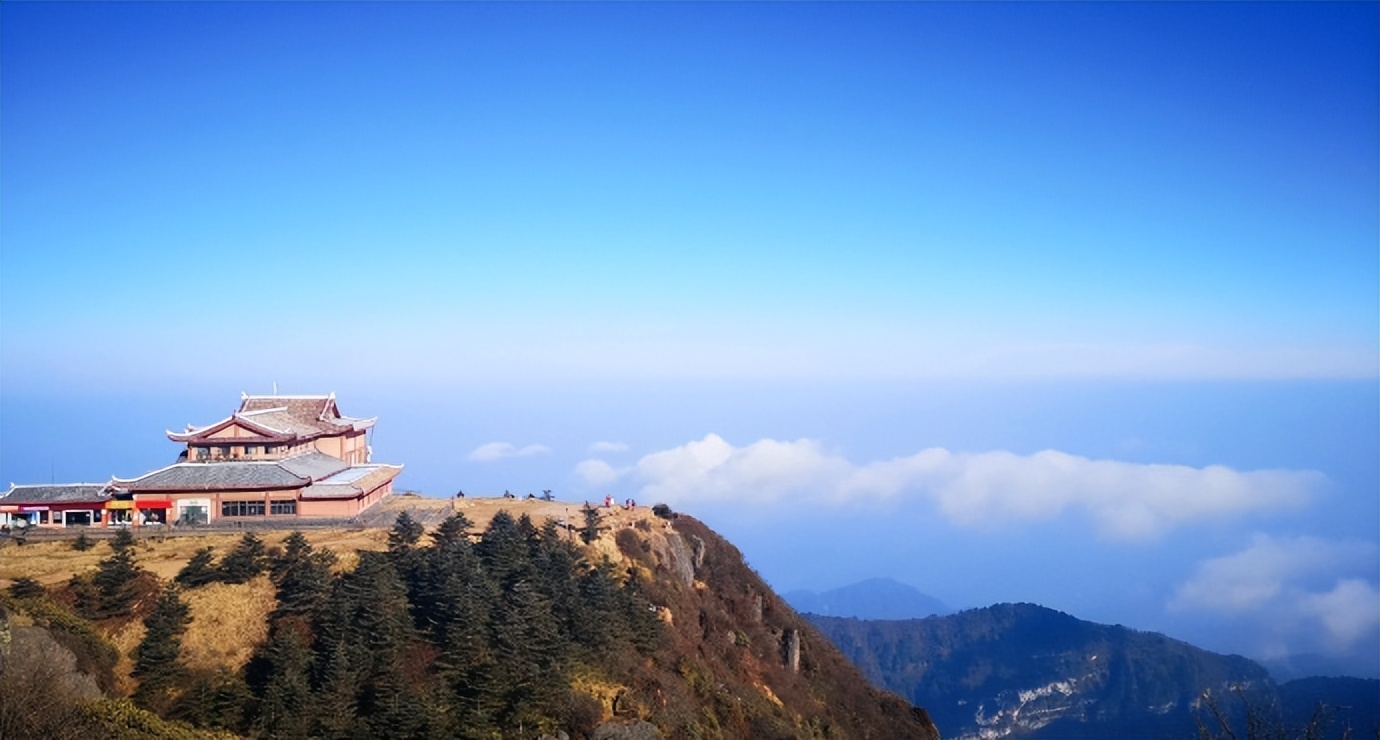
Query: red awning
152,503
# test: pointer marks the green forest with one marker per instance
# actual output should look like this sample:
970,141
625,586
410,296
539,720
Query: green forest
439,636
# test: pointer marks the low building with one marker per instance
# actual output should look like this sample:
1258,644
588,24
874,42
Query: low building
60,505
275,458
309,484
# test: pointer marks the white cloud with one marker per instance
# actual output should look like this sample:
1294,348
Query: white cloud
1125,500
501,450
597,473
1303,590
1347,613
599,448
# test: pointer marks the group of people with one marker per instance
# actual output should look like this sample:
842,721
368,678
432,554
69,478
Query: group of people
628,504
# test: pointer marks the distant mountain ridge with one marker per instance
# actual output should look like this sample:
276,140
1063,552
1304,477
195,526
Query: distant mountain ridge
875,598
1025,671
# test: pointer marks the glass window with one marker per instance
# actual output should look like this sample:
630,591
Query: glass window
242,508
283,508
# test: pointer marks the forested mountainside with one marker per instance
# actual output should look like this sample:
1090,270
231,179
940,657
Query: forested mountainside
1025,671
644,627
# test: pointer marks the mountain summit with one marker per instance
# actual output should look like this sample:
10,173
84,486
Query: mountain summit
875,598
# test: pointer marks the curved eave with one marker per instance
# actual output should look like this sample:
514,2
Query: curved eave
265,434
194,432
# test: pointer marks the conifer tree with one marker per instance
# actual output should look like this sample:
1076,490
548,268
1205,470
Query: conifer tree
245,562
603,614
503,550
156,662
407,559
199,570
405,533
451,531
527,655
213,699
334,702
286,691
115,578
25,587
590,532
558,566
374,631
123,540
456,614
86,597
303,579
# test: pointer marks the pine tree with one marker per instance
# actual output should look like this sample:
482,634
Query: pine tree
558,566
156,662
451,531
123,540
86,598
456,614
245,562
527,658
199,570
82,543
374,631
603,618
25,587
286,692
115,578
503,550
303,579
335,699
405,533
590,532
214,699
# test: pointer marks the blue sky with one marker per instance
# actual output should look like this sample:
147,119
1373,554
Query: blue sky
956,286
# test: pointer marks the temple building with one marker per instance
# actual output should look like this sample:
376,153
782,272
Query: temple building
275,458
274,427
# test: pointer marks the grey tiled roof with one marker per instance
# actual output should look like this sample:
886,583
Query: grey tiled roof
356,481
306,414
216,476
281,421
56,493
314,465
283,417
297,471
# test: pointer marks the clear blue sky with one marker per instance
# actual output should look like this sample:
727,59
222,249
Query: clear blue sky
753,258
